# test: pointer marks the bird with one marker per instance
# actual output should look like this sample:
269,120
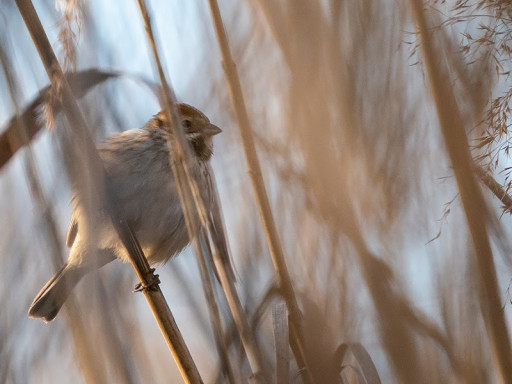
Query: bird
139,174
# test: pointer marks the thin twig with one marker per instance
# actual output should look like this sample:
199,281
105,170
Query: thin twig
495,187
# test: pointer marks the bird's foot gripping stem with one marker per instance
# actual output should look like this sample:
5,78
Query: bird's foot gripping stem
152,282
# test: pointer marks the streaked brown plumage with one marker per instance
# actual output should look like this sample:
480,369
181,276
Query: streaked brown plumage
139,174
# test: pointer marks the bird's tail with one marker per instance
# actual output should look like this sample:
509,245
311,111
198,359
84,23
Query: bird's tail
52,296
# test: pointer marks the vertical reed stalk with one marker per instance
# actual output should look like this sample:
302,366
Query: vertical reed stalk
188,190
214,314
258,184
92,368
94,187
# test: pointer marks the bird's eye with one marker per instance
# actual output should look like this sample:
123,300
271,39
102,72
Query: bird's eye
186,123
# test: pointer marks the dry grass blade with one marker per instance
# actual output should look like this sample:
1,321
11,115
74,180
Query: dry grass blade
367,368
282,346
353,360
30,121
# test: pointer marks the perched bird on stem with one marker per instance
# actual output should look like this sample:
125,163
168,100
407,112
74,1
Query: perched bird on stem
143,186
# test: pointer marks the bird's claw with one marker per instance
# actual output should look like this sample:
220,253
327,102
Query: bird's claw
154,281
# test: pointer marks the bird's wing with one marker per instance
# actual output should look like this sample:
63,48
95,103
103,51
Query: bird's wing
72,231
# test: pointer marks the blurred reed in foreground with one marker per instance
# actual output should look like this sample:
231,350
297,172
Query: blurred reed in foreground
358,167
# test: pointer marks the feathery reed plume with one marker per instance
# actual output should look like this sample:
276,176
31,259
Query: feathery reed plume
474,206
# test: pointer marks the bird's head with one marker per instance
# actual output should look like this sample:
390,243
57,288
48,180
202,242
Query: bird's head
197,128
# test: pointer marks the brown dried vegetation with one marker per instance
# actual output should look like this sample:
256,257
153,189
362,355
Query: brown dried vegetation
368,118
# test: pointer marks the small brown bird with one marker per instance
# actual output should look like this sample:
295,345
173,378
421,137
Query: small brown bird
140,176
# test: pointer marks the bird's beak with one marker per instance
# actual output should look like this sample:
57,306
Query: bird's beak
211,130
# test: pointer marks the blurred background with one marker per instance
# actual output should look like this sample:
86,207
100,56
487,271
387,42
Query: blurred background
356,168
